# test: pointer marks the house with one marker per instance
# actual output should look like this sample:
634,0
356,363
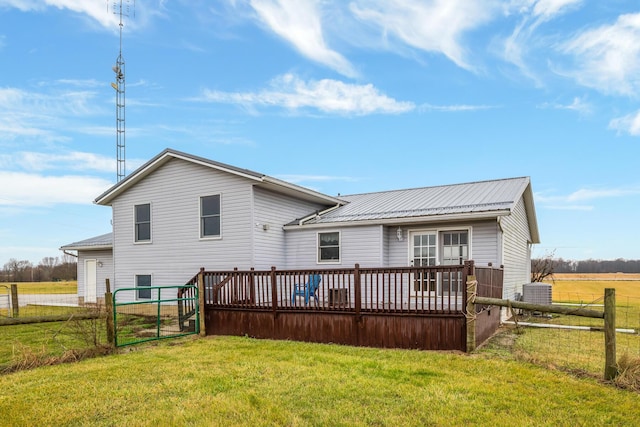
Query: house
179,212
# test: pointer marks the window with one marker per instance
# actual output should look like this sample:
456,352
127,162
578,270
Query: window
142,220
329,247
455,247
143,283
210,216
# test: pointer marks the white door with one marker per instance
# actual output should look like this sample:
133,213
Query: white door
90,280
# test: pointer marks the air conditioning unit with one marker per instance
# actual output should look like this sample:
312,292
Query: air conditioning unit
537,293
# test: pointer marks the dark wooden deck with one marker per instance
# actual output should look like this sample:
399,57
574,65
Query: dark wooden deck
375,307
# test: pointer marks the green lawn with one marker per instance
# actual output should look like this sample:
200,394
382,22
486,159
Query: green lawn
242,381
64,287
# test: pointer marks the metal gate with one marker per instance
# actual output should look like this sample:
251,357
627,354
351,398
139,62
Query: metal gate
153,313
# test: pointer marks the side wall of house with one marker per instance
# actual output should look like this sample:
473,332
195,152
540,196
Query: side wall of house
362,245
271,212
516,257
102,272
378,246
176,251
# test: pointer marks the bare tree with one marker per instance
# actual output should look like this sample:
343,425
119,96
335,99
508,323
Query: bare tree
543,268
46,267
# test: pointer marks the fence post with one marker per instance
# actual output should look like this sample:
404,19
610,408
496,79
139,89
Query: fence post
357,290
610,364
201,300
108,303
468,294
274,292
14,300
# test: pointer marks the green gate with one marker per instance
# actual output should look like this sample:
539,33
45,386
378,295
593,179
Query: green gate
153,313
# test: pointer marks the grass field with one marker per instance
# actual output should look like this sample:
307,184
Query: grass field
241,381
583,350
65,287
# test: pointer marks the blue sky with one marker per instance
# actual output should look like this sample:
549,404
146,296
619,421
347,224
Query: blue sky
339,96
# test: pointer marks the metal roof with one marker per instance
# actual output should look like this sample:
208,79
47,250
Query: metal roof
497,197
104,241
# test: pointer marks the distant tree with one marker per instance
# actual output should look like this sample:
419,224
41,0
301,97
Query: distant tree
46,267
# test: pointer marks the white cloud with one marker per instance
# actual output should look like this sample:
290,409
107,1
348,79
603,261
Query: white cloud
628,124
607,58
74,160
533,13
33,114
329,96
577,199
94,9
578,104
300,23
24,189
432,26
455,108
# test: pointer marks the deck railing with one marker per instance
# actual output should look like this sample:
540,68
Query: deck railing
401,290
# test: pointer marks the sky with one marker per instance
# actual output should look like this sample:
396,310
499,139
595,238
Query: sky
343,97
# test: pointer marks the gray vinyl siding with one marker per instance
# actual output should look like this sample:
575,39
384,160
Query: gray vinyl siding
102,273
274,211
362,245
485,243
176,251
516,238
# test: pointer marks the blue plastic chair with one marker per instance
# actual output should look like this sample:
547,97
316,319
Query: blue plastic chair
307,290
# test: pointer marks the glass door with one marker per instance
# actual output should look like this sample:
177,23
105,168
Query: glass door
455,251
424,254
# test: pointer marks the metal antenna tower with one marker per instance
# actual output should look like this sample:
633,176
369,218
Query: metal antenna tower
121,8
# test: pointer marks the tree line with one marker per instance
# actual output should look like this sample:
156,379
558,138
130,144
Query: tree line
559,265
49,269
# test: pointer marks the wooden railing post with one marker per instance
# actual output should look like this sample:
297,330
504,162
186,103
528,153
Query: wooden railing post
108,303
610,364
274,292
470,313
357,290
15,306
201,303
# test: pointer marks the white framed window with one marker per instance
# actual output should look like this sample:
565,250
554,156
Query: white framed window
142,221
329,247
210,217
143,286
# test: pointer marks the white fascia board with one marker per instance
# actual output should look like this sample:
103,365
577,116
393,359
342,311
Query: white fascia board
86,248
404,221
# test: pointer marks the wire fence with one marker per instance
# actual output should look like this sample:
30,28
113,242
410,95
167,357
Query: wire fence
21,302
576,343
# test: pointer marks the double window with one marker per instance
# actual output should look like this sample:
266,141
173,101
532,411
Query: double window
142,219
329,247
210,219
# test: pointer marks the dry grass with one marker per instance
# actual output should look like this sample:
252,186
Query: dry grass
629,373
27,358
